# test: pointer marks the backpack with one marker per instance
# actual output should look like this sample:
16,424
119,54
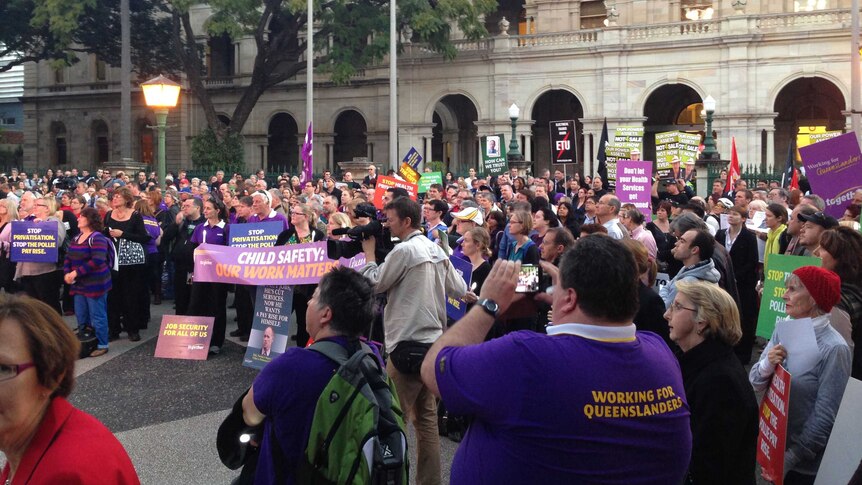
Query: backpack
112,252
357,433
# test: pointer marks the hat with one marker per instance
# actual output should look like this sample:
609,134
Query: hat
823,285
184,181
557,197
675,159
635,151
470,214
690,161
185,190
725,202
819,218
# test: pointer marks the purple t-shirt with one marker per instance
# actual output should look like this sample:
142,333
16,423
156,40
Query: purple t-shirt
152,227
205,233
567,409
273,216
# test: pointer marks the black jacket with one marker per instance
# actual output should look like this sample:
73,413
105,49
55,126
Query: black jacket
745,256
724,415
183,252
650,315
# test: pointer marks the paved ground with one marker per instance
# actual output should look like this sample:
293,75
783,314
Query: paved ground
166,412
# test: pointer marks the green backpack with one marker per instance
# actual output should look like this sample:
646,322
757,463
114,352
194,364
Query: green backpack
357,434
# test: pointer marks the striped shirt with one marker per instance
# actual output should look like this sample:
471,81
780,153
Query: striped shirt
89,258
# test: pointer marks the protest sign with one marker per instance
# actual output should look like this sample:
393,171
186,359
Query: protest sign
777,270
666,148
631,137
34,242
661,279
494,154
457,307
834,170
633,184
384,182
564,146
843,454
270,329
413,158
408,173
255,234
773,427
295,264
429,178
184,337
613,153
687,144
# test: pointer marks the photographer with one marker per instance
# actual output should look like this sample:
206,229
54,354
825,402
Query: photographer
412,276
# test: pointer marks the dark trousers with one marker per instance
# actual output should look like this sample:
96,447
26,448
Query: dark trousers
128,304
210,300
300,305
44,287
154,273
182,291
244,298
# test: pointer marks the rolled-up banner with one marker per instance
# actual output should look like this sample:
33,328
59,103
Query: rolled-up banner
295,264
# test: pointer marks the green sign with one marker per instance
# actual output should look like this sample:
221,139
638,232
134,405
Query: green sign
666,148
614,152
777,270
688,144
429,178
494,154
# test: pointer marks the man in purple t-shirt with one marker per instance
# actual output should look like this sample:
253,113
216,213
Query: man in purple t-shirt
285,392
593,401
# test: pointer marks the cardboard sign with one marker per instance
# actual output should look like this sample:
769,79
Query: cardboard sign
295,264
255,234
564,146
413,158
843,454
457,308
633,184
834,169
777,270
408,173
270,328
384,182
613,154
429,178
773,427
666,148
494,154
184,337
34,242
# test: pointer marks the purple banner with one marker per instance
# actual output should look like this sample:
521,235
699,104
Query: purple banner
185,337
457,308
34,242
295,264
634,184
834,171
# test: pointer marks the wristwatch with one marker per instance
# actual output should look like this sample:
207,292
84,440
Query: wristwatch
490,306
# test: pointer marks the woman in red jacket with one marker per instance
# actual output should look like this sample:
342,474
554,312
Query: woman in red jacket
41,434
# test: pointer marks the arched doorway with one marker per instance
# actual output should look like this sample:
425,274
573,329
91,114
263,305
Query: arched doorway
554,105
351,137
59,153
453,138
283,151
669,108
100,135
806,102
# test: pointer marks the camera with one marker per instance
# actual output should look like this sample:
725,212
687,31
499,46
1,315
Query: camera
348,249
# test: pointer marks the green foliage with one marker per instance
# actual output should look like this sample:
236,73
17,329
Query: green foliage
211,153
437,166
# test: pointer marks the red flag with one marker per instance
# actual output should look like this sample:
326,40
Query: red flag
794,181
733,171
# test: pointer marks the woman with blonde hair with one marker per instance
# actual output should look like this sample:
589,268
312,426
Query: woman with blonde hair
338,220
704,322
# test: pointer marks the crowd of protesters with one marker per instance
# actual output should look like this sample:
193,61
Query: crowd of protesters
132,241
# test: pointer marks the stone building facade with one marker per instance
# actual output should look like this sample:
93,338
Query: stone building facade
771,66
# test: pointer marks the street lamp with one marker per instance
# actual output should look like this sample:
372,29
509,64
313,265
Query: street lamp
161,94
514,152
709,151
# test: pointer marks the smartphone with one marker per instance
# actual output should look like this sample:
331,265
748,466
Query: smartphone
528,278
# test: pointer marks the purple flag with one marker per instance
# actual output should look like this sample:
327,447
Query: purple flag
833,169
307,164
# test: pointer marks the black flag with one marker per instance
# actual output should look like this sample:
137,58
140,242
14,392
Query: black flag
603,166
787,176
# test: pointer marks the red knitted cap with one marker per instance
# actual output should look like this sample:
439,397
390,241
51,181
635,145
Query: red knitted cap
823,285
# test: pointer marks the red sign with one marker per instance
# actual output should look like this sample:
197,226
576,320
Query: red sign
185,337
773,427
384,182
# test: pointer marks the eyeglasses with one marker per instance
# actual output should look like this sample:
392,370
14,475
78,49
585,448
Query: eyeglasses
41,205
675,306
297,213
11,371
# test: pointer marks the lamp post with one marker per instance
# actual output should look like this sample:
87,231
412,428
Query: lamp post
161,94
709,151
514,152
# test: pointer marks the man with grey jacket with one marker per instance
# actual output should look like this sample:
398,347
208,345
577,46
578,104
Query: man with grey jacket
694,249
